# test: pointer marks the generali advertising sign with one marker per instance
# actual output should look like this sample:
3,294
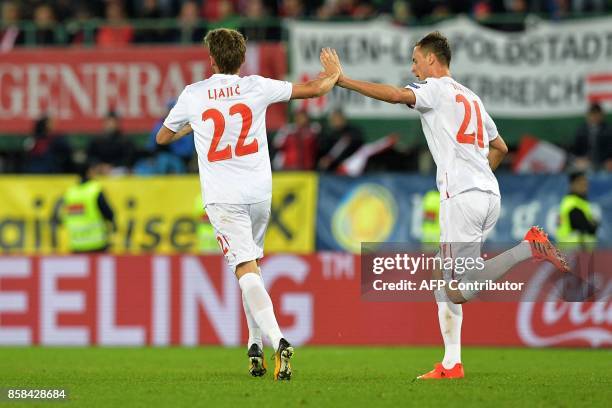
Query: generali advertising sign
77,87
187,300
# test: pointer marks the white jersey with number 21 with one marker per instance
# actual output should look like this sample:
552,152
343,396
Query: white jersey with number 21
458,130
228,116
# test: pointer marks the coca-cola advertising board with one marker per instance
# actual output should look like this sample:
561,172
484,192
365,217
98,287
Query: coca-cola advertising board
189,300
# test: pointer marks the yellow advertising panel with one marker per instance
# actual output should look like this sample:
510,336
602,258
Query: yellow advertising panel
153,214
294,211
26,209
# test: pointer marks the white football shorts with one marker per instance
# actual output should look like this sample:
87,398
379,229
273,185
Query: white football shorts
465,221
240,230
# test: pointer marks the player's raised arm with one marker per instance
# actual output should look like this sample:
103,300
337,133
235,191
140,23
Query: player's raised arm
382,92
497,152
317,87
166,136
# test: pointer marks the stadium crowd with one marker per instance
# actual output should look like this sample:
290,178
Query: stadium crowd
117,22
302,144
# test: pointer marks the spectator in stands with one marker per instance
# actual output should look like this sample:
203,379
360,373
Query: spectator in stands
112,147
159,161
357,9
482,9
10,34
47,151
339,142
150,10
593,141
296,144
116,31
401,12
326,10
64,9
518,8
255,12
96,8
189,24
421,8
75,27
589,6
211,10
292,9
227,17
44,21
183,148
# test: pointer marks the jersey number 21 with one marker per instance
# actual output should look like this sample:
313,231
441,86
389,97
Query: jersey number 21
469,138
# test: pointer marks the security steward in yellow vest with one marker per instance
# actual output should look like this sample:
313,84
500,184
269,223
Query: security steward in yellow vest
430,228
207,239
86,213
577,227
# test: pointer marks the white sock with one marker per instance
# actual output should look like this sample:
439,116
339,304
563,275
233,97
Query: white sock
260,305
498,266
450,317
254,330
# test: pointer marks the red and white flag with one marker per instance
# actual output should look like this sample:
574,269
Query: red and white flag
538,156
599,87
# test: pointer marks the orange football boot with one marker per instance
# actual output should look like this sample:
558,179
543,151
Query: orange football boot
542,249
441,373
282,357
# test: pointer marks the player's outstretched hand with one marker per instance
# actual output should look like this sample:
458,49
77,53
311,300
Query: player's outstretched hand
330,62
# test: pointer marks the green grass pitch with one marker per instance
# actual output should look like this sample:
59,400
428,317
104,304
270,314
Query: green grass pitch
323,377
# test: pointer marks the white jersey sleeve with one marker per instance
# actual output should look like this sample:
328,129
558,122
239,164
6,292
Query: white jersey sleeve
427,95
179,114
490,127
275,90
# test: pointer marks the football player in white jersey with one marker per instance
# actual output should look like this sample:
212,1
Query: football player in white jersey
227,113
466,148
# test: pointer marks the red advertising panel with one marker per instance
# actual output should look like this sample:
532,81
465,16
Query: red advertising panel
77,86
189,300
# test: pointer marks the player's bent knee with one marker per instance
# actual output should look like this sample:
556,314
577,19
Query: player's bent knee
455,296
246,267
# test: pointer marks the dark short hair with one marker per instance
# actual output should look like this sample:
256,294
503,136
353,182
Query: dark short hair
438,44
83,168
227,47
595,108
575,174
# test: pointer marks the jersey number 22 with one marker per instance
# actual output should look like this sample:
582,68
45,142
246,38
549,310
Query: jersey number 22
242,149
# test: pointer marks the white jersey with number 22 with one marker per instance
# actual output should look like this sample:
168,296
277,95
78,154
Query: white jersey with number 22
228,116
